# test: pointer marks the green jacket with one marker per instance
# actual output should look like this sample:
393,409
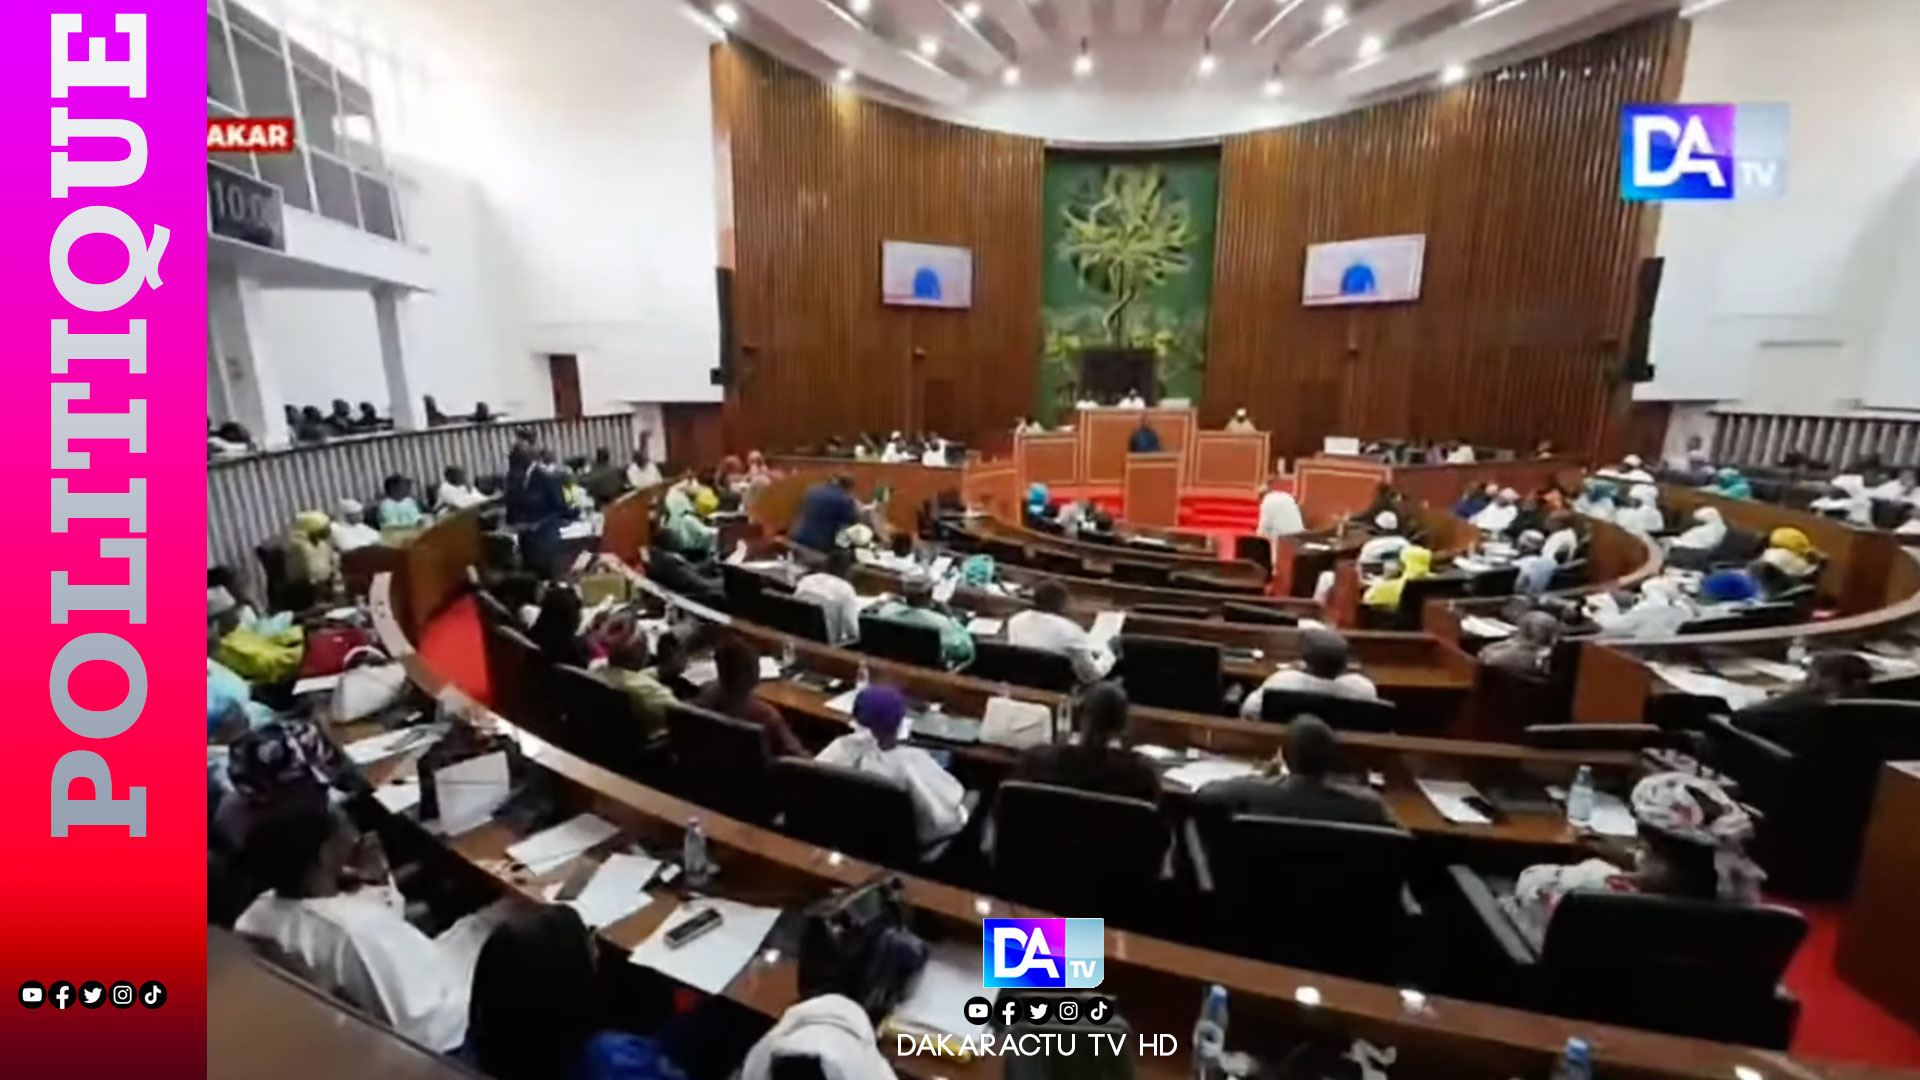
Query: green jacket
956,645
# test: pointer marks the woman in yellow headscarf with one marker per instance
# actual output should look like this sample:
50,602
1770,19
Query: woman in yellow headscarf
313,560
1415,562
1789,551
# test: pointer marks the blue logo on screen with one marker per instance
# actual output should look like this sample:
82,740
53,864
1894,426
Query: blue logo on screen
1357,280
926,284
1702,152
1066,953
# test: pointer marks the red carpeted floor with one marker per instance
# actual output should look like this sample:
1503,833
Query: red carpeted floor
1222,516
1836,1022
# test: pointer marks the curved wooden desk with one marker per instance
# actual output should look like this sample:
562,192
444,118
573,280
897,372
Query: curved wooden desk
1159,981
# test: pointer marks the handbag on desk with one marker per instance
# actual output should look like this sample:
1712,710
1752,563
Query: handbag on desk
856,943
1014,724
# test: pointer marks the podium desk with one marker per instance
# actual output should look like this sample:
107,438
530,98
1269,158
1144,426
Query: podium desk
1151,493
1104,433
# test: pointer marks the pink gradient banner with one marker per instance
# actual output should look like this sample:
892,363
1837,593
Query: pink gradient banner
100,904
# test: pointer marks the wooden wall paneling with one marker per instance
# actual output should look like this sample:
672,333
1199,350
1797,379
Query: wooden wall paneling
1529,264
821,178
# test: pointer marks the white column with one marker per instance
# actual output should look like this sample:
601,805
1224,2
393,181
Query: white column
390,317
239,368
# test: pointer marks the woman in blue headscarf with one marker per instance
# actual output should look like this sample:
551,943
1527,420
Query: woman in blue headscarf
1037,501
1730,483
1728,587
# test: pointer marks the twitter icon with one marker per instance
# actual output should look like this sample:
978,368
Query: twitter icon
92,994
1037,1010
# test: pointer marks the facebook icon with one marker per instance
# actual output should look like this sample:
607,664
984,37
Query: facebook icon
1060,953
1702,152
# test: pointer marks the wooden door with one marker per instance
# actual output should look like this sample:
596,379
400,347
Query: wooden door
563,370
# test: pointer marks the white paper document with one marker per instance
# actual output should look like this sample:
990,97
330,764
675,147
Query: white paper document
943,591
399,796
770,667
316,684
701,672
939,567
938,1000
549,849
616,890
1686,679
389,744
470,791
1195,775
844,703
1450,798
1106,626
1611,817
984,626
710,961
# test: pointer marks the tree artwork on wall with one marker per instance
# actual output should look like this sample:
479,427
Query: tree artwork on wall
1128,253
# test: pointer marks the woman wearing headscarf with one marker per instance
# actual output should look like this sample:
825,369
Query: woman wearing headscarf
1596,499
1728,481
1659,612
1790,552
1728,587
1279,516
1694,838
1530,649
1415,563
1036,502
1640,512
1847,499
1497,516
281,759
874,747
1706,532
312,559
758,475
1563,540
534,1012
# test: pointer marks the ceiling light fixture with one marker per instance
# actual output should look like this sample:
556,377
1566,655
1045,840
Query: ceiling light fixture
1452,74
970,10
1333,16
1274,86
859,7
1083,64
1370,46
1010,75
929,47
843,76
727,14
1207,62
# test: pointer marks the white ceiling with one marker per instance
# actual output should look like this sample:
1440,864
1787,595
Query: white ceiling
1146,85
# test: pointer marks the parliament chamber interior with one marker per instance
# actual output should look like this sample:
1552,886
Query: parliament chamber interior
838,538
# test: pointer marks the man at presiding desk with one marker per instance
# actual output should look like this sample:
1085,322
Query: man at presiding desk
1144,439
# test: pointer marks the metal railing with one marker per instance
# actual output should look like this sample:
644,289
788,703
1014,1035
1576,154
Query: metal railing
1761,438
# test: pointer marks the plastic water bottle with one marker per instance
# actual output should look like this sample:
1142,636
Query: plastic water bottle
1063,720
1797,653
789,659
1576,1062
1580,800
863,676
1210,1034
694,861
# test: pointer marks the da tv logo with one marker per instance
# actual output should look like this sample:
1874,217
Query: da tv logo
1060,953
1702,152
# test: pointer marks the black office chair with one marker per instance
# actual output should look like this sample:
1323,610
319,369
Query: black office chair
793,615
283,593
1700,968
1593,737
1340,713
1263,614
1171,611
1757,617
1172,673
1569,575
1272,876
1889,513
997,661
1043,852
600,723
1413,597
1133,573
1057,562
1500,581
516,668
1509,702
1205,582
865,816
493,611
907,643
1738,548
744,588
1254,549
719,762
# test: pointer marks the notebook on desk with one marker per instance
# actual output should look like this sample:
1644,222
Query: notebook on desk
945,727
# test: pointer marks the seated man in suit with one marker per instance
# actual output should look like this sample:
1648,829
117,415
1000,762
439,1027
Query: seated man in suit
1322,670
1144,439
1099,758
1309,790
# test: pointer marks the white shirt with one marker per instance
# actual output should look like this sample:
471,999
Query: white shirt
894,452
642,476
1561,546
1495,517
1280,515
841,601
1052,633
939,801
368,952
1645,520
1462,455
935,456
1349,684
1133,401
1381,548
347,536
457,496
